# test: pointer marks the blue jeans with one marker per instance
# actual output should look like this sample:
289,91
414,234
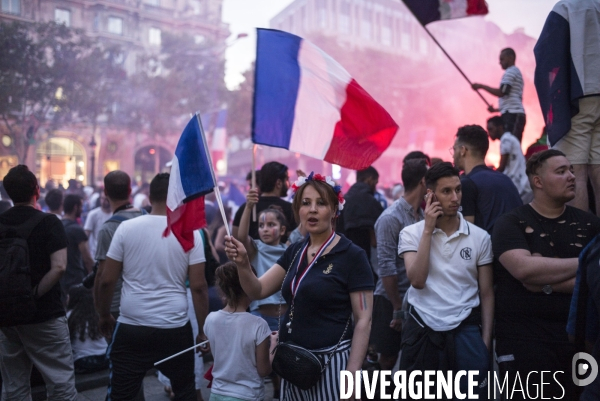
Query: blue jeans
272,321
472,354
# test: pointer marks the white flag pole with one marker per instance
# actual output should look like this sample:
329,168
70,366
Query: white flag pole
182,352
254,178
216,188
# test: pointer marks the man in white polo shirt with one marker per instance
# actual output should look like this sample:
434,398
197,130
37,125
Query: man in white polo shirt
153,322
449,265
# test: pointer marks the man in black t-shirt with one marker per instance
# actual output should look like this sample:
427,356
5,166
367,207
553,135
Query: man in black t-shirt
79,260
486,193
536,247
44,342
274,184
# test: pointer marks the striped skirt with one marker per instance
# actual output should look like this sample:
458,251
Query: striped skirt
328,388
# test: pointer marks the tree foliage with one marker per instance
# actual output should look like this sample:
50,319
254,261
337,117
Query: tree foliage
184,77
51,73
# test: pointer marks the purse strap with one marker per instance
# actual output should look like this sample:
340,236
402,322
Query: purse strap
291,306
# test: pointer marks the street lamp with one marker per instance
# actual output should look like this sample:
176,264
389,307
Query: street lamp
92,146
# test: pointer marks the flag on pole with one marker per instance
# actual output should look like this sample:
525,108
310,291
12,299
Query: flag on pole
192,177
567,56
428,11
306,102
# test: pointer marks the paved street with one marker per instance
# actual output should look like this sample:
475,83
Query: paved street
154,391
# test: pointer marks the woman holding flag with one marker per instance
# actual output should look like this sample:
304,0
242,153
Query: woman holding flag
325,281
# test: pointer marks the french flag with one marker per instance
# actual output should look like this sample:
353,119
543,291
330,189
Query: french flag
306,102
191,178
427,11
567,57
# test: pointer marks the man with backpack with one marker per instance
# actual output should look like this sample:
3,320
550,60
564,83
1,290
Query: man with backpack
33,326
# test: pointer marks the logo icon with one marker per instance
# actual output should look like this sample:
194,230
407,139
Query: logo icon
583,365
465,253
329,268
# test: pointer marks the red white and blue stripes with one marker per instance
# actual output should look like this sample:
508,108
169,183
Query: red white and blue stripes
428,11
306,102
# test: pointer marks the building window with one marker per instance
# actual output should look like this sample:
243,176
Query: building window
154,36
11,6
406,34
115,25
365,28
322,13
62,16
195,5
344,21
386,31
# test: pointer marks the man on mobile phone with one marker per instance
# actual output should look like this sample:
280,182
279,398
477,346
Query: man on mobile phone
451,299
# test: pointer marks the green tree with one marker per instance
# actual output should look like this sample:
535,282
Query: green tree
51,73
239,123
183,78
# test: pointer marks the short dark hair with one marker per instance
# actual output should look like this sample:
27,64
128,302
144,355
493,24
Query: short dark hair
70,202
54,199
413,172
20,184
440,170
475,137
159,187
270,173
509,52
417,154
365,174
538,159
496,121
249,177
117,185
4,206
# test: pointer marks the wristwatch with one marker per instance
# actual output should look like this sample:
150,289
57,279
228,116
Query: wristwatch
547,289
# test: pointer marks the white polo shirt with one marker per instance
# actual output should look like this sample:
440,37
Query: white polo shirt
451,290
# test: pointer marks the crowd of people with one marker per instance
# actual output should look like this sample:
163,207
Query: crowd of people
458,266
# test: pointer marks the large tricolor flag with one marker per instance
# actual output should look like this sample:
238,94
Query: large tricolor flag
428,11
567,57
306,102
192,177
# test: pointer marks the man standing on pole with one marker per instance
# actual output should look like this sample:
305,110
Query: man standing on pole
510,94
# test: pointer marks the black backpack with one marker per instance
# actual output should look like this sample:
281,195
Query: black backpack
17,305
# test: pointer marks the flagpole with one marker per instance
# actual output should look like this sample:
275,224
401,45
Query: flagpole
217,191
254,178
453,62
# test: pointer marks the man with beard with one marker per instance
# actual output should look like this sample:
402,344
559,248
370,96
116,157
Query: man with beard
536,248
274,184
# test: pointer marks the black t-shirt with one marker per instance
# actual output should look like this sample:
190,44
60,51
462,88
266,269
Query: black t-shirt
47,238
522,314
322,305
487,194
263,203
75,268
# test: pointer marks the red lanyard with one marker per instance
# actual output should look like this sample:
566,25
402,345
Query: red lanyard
294,285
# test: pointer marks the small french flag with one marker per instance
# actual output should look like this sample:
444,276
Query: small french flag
428,11
306,102
191,178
